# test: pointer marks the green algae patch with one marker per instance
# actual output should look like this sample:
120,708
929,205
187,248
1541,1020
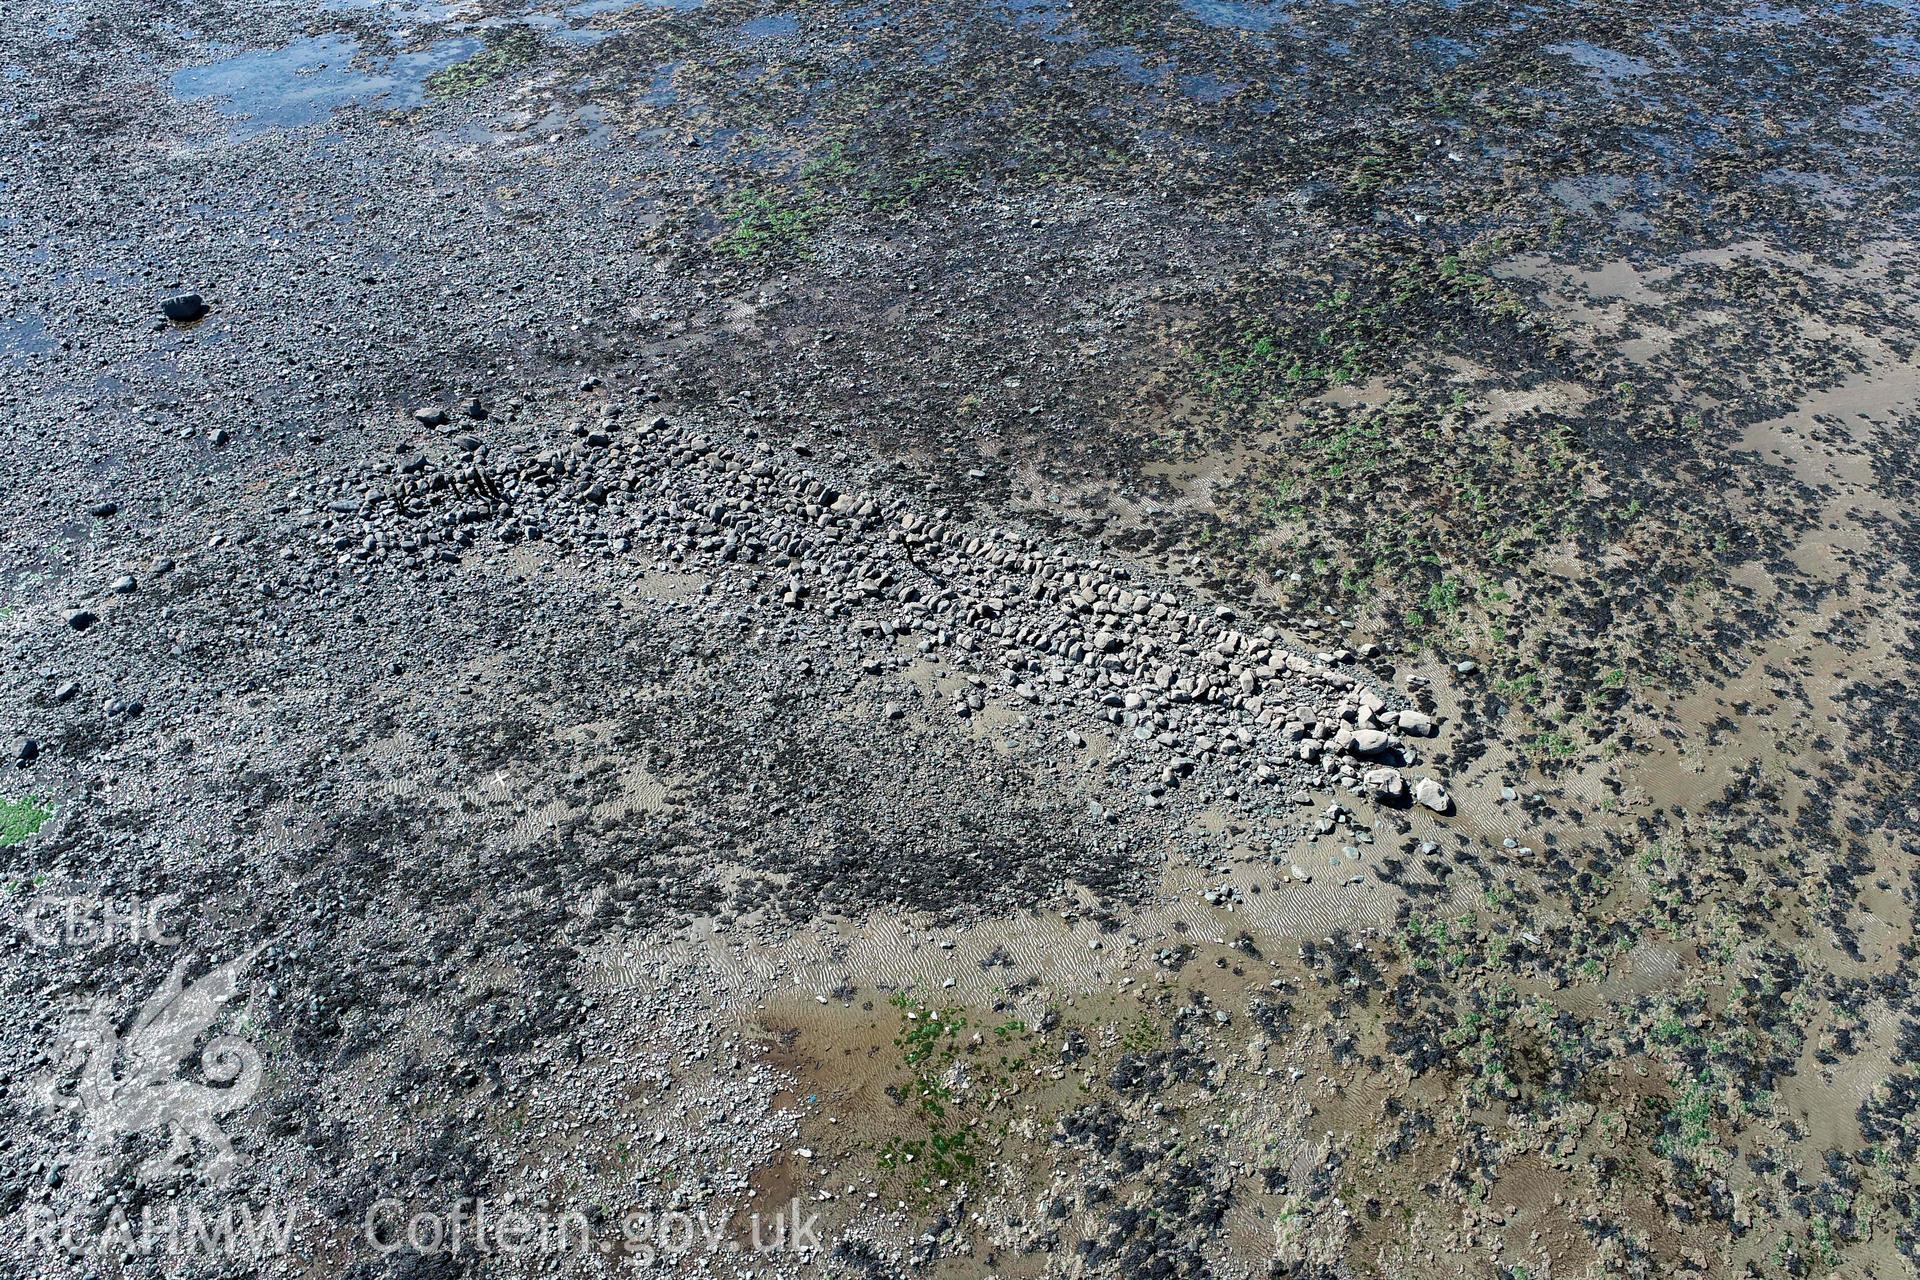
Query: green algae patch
21,819
515,49
759,225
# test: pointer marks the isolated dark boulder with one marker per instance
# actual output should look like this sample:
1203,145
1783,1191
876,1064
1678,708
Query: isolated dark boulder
183,306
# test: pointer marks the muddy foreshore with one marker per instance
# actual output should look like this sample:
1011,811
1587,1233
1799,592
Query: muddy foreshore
1195,639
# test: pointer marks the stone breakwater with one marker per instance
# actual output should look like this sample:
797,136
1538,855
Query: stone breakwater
1070,643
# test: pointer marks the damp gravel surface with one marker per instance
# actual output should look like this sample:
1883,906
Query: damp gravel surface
1193,639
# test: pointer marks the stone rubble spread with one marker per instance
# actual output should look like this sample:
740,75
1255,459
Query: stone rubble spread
1061,633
